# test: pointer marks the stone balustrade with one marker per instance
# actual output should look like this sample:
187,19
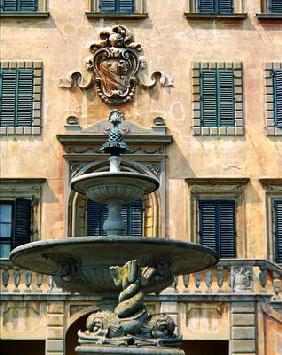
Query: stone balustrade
229,277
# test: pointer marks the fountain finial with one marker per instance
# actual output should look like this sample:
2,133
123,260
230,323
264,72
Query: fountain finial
115,144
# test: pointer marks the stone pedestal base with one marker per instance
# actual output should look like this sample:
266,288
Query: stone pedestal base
130,350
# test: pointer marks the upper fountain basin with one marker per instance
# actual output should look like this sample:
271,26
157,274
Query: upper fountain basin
109,187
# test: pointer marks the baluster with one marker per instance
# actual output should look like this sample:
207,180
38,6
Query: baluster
263,279
197,282
51,284
5,278
38,280
229,277
17,278
208,280
220,279
186,282
175,284
276,285
28,280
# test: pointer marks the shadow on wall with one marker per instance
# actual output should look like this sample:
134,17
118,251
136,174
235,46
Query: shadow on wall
71,338
22,347
204,347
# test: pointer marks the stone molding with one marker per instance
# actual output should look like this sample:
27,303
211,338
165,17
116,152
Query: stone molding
271,128
219,188
238,129
35,128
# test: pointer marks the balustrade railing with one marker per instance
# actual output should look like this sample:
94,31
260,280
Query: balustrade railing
236,276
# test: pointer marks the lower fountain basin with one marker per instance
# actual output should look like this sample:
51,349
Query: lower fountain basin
82,264
108,187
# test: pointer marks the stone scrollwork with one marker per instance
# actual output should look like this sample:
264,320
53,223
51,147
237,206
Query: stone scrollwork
130,323
116,67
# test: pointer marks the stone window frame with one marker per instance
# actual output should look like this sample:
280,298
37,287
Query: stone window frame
219,189
273,191
29,188
139,13
41,12
271,129
238,13
36,126
238,128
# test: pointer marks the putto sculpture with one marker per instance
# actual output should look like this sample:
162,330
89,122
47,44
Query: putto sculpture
116,68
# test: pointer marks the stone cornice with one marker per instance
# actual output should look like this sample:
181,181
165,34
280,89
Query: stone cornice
213,181
270,181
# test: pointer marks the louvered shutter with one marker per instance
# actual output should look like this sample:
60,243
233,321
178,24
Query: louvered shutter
226,102
9,5
208,224
108,5
208,80
131,214
217,226
25,97
22,221
8,97
275,6
28,5
226,217
126,6
206,6
278,230
277,77
225,6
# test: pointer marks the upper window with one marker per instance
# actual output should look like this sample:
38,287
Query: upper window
20,98
132,215
277,206
15,224
275,6
126,6
19,5
217,98
215,6
217,226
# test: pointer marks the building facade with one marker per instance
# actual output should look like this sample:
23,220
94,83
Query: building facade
204,115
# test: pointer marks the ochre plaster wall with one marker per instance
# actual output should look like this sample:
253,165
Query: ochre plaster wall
170,43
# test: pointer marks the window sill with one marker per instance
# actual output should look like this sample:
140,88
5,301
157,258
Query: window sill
199,16
20,131
24,14
264,16
117,15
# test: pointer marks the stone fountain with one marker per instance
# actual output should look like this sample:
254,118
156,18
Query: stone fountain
120,269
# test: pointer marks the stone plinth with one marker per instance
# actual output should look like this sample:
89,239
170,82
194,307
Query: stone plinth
90,350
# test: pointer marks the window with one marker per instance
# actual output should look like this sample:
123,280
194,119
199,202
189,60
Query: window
217,98
275,6
217,226
132,215
215,6
15,224
20,97
217,214
277,213
19,5
126,6
273,98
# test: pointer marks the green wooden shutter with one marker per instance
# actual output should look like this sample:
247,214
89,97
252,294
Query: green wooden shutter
96,216
275,6
208,84
9,5
278,230
108,5
217,226
8,97
226,100
19,5
16,97
22,221
207,226
206,6
277,85
225,6
226,217
126,6
28,5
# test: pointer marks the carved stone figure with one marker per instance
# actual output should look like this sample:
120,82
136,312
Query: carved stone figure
241,278
116,67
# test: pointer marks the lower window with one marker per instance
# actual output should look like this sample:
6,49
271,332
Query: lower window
277,205
15,224
217,226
